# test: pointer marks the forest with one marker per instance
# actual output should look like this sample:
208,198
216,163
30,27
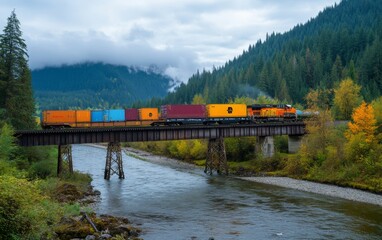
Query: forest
96,85
331,66
342,41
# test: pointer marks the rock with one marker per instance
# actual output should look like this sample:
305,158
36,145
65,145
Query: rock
90,237
106,236
96,192
109,226
68,193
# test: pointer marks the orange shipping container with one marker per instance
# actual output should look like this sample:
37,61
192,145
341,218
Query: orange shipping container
83,116
56,117
226,110
66,117
148,114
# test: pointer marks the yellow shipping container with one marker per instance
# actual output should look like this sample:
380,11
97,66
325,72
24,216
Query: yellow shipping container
148,114
226,110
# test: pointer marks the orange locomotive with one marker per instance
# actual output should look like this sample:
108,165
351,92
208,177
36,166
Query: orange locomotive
271,112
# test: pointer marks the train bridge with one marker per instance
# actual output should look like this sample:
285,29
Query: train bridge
216,157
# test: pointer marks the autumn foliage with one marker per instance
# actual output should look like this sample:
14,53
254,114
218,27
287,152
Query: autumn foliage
346,98
363,122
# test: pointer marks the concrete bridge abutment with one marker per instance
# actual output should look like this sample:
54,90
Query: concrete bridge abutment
265,146
294,143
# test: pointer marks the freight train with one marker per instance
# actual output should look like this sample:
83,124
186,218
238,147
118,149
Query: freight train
169,115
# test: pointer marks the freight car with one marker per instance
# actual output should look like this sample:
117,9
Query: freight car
98,118
169,115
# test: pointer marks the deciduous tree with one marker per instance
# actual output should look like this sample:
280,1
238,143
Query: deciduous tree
363,122
346,98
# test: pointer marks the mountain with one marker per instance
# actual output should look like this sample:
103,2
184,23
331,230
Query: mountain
96,85
342,41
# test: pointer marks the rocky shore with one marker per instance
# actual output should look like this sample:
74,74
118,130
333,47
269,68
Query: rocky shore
88,225
319,188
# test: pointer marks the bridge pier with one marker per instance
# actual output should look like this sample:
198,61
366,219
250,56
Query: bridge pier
114,161
216,157
64,160
266,146
294,143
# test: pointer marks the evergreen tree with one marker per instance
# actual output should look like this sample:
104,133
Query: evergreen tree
16,95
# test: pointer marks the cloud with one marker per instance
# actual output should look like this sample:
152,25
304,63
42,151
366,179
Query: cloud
179,36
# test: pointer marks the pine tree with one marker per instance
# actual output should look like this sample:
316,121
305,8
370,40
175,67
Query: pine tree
15,78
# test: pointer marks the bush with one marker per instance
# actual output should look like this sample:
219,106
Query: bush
24,212
297,165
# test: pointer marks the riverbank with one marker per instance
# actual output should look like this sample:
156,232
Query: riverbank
302,185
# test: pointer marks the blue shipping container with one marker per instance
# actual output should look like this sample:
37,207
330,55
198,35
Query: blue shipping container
97,116
113,115
116,115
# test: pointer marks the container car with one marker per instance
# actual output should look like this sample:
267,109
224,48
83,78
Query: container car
148,114
65,118
183,114
132,114
114,115
227,113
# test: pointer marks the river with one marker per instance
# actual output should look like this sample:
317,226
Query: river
170,202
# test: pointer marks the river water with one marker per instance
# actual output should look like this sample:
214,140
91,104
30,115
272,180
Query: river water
182,203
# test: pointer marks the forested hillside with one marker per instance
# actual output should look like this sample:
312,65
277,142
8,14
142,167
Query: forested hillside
342,41
96,85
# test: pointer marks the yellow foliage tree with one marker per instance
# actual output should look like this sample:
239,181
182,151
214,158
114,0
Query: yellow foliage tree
377,106
318,99
198,99
346,98
363,122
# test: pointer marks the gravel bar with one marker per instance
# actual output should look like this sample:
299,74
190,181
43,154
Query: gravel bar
319,188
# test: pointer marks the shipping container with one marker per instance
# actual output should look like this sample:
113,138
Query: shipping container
148,114
58,117
131,114
113,115
98,116
226,110
83,116
183,111
116,115
66,118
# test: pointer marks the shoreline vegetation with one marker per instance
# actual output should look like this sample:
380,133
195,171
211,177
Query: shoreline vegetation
36,204
287,182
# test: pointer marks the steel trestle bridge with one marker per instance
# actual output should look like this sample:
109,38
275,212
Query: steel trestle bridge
216,159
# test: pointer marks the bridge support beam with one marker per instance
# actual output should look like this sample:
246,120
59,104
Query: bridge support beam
216,157
114,161
266,146
64,160
294,143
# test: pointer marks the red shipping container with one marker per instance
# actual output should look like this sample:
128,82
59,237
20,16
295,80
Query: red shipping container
183,111
131,114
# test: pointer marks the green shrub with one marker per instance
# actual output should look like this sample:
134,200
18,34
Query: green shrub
24,212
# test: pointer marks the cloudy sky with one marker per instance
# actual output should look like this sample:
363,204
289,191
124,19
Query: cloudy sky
179,36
